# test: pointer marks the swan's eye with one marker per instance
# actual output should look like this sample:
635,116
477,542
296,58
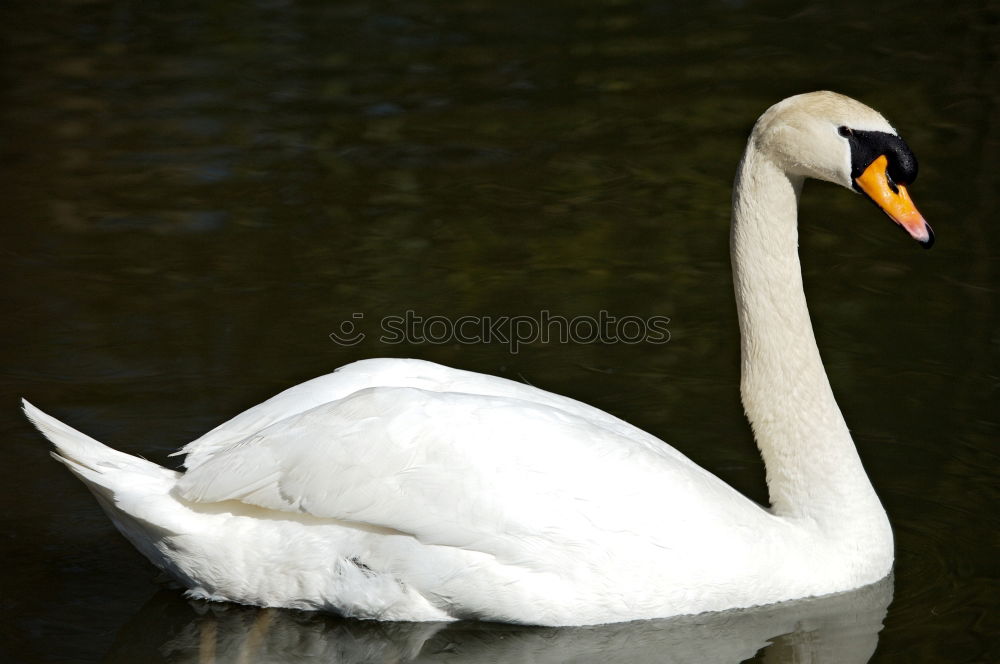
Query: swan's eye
844,131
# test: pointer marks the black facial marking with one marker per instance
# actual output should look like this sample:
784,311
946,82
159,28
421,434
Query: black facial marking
867,146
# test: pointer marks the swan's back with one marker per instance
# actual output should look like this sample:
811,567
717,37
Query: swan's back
390,372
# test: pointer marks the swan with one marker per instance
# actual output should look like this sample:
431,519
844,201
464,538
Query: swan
396,489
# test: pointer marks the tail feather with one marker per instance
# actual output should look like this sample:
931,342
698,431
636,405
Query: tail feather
88,459
133,492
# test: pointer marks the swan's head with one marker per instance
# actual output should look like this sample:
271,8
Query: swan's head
831,137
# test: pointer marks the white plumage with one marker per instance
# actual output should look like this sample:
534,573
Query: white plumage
404,490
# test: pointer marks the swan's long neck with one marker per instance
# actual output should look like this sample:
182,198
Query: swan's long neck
813,469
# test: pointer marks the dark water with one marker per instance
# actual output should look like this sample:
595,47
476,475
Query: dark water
197,195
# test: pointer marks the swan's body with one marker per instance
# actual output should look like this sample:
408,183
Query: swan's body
404,490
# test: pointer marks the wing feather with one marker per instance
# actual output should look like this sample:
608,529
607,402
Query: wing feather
494,474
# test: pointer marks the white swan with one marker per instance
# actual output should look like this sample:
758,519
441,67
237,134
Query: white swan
404,490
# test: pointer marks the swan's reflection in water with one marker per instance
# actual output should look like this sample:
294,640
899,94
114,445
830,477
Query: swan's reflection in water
841,629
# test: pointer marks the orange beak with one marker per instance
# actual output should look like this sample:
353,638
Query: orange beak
895,201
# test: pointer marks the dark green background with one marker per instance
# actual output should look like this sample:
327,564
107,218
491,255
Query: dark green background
195,194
